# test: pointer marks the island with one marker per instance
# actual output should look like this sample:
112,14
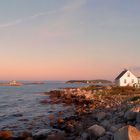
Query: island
11,83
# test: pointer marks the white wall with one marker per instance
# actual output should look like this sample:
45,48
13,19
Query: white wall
128,79
139,80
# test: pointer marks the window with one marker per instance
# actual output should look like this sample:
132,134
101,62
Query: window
128,74
132,80
125,81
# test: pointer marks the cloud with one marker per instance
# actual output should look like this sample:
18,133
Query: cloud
21,20
12,23
70,7
74,5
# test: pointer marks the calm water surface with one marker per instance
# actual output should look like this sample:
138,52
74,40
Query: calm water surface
20,107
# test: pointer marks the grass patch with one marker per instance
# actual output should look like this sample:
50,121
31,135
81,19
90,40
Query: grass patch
93,87
124,91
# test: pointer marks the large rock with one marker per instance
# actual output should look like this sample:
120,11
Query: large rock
132,113
105,137
57,136
127,133
100,116
113,129
79,128
106,124
84,136
129,115
138,118
96,131
137,126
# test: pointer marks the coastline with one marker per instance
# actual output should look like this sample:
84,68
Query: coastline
100,112
101,107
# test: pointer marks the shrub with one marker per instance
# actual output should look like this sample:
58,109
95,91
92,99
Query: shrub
135,98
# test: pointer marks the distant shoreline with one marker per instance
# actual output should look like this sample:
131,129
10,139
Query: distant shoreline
21,84
89,81
6,84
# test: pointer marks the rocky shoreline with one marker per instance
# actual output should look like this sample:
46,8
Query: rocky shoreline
100,113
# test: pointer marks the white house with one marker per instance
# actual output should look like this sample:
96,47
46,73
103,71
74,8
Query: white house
138,80
127,78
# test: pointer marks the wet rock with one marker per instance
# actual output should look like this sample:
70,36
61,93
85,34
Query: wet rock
6,134
52,124
17,115
44,102
25,135
96,131
51,117
60,113
60,120
24,120
127,133
41,134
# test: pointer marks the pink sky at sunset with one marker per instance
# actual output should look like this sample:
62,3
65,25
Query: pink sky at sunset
77,39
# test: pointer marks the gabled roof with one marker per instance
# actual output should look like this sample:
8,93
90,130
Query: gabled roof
121,74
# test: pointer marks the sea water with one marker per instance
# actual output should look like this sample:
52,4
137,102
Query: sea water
21,110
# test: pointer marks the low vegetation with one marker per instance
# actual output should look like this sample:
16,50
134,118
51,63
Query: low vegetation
124,90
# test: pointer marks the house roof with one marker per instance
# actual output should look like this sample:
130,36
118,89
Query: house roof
121,74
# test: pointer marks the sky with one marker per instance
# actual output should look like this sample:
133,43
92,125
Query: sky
68,39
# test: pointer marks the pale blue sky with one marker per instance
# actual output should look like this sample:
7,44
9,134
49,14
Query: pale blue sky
68,39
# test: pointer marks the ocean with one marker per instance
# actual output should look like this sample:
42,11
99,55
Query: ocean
21,110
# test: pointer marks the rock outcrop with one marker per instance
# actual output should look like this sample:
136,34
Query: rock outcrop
127,133
96,131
